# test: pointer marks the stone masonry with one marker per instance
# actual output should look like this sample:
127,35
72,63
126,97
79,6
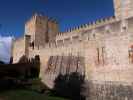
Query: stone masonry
106,44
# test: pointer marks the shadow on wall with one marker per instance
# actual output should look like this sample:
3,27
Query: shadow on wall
67,73
69,86
65,65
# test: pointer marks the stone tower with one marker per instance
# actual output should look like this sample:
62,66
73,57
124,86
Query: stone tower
41,30
123,8
53,29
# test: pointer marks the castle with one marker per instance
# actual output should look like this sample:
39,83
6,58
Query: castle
105,45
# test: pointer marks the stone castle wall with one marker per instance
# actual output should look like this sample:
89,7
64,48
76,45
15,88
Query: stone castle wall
113,64
103,44
18,49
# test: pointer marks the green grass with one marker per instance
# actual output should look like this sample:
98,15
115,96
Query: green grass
26,95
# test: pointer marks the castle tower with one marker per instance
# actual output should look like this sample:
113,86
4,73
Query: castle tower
123,8
41,29
53,30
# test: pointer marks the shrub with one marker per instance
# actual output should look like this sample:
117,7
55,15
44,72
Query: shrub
69,86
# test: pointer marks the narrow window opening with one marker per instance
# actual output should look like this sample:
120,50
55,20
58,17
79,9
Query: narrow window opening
98,56
103,51
130,54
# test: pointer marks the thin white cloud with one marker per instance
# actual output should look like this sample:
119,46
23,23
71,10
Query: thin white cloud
5,49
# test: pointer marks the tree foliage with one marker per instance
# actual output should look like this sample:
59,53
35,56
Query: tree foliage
69,86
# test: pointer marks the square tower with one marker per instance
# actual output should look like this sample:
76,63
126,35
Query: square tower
41,30
123,8
53,30
37,29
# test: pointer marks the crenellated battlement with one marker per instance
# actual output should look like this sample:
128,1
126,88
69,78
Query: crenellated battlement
40,24
89,26
41,16
53,20
95,31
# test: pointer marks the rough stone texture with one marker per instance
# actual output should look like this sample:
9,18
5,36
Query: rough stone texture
53,30
123,8
108,90
63,65
41,31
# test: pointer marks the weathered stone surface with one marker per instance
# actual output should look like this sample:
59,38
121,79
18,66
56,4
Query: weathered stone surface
107,90
64,65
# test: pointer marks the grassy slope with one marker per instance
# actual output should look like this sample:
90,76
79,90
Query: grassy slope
25,95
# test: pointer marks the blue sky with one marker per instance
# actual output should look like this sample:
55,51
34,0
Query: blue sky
69,13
